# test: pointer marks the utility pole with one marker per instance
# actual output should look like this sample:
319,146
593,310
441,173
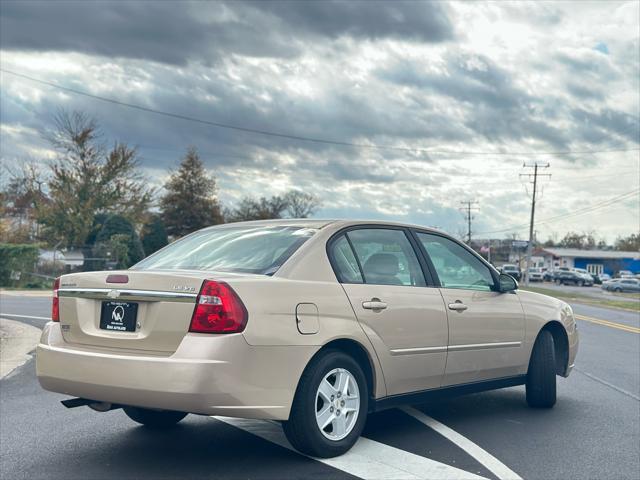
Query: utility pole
535,176
467,209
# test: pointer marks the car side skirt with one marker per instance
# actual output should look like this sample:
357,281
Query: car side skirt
443,393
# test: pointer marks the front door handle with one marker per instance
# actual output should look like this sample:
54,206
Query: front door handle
374,304
458,306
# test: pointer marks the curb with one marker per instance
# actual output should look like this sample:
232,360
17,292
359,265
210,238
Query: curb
17,340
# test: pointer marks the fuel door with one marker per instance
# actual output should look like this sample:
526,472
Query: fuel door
307,318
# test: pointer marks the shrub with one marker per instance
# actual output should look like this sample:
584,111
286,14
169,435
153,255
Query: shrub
126,248
17,259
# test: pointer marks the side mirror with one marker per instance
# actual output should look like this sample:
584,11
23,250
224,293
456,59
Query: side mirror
506,283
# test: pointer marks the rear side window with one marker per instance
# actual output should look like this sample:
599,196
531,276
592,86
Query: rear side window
386,257
345,263
241,249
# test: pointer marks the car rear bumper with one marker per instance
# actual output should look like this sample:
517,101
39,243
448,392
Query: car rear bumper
208,374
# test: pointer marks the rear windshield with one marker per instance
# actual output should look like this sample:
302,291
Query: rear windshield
241,249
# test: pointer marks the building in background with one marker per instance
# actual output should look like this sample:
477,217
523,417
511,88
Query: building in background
594,261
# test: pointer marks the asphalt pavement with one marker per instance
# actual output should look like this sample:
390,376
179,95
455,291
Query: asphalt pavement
594,291
593,432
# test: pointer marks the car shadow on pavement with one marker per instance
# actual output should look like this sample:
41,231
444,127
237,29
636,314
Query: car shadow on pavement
197,447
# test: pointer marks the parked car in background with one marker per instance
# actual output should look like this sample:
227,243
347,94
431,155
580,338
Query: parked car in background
550,275
622,285
512,270
600,278
572,277
625,274
311,323
585,273
535,274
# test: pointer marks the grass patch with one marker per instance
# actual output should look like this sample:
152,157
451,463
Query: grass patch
587,300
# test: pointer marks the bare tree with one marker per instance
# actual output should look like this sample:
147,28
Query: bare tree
301,204
294,204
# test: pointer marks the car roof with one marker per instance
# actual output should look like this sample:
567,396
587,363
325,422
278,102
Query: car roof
283,222
321,223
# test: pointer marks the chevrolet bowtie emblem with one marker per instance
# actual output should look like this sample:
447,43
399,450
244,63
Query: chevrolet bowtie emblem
113,294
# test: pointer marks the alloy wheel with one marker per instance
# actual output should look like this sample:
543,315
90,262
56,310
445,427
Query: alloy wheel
337,404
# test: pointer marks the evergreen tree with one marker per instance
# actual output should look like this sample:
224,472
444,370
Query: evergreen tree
190,201
115,232
86,178
88,249
154,235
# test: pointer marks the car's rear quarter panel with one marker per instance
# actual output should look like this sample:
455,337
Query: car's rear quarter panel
271,304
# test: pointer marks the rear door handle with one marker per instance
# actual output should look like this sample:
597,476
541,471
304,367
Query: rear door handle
374,304
458,306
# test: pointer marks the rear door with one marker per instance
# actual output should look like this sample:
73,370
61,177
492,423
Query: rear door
486,327
403,317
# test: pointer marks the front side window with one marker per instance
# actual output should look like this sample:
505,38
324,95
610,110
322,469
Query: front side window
386,257
241,249
456,266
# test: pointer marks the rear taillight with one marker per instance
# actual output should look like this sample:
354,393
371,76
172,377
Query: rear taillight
55,304
218,310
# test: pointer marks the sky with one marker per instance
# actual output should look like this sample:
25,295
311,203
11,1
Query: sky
437,103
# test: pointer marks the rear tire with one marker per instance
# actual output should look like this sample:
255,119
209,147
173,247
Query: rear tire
541,377
303,429
154,418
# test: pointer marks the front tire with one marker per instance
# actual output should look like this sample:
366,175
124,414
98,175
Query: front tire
330,407
541,377
154,418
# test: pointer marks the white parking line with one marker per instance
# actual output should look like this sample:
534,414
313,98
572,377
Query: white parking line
367,459
490,462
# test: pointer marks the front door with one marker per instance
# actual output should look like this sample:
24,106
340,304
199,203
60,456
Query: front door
405,320
486,327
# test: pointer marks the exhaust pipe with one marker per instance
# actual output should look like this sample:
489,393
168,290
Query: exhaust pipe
92,404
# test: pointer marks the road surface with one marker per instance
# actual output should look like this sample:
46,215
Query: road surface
592,433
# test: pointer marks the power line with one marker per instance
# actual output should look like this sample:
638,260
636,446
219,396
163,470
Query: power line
582,211
610,203
299,137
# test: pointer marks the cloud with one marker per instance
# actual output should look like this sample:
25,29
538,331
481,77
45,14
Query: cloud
497,77
180,32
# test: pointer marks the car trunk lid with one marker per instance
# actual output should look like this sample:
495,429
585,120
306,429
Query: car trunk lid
144,311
